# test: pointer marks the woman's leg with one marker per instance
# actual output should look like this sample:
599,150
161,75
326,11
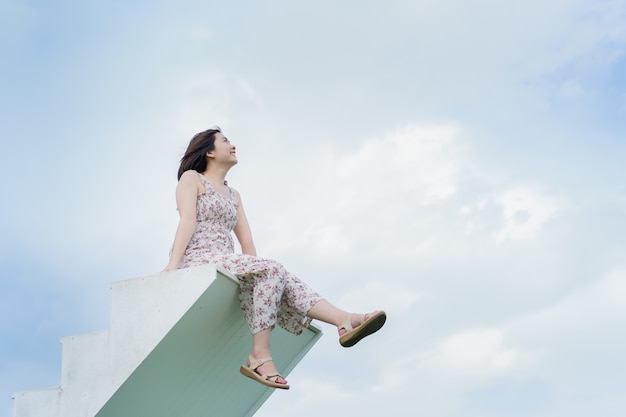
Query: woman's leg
261,350
260,296
300,301
328,313
322,310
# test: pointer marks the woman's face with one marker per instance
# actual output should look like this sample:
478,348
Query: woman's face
224,151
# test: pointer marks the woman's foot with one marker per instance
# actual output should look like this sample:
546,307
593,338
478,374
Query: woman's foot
264,371
268,368
358,326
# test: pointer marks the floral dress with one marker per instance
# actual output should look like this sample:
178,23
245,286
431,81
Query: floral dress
267,292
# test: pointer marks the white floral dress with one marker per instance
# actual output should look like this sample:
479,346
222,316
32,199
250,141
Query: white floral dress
267,292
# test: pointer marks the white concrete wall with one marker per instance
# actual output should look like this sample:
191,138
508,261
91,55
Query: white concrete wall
95,365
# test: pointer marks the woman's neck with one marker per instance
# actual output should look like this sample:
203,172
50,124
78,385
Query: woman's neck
215,175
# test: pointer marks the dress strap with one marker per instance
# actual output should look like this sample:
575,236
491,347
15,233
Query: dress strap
208,186
203,178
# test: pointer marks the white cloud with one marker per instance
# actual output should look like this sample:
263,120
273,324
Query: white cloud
584,311
572,89
479,351
459,361
372,194
614,286
208,96
379,293
525,210
418,162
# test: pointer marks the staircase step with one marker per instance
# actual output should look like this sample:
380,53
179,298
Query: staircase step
44,402
84,364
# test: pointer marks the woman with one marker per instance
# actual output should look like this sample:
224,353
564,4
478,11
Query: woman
209,211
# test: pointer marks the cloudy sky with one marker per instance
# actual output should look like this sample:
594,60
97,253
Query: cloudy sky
459,164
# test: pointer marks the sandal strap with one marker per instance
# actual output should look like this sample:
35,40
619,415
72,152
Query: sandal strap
272,378
347,325
255,363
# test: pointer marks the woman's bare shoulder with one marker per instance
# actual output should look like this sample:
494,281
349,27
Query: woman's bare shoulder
189,175
190,180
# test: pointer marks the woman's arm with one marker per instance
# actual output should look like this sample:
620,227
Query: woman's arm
186,200
242,230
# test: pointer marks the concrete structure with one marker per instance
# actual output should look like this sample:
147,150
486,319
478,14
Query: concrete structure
174,348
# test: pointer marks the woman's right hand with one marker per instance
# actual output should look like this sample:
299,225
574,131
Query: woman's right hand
170,267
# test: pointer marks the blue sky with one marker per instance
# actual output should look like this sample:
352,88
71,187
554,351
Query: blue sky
458,164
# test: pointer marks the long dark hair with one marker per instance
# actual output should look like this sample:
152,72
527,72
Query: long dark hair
195,155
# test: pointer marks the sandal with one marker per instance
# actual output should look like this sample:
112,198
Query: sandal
371,324
250,370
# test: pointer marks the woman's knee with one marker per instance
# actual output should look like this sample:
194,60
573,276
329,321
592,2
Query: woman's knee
277,269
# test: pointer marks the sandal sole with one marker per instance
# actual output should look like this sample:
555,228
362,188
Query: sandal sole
252,374
371,325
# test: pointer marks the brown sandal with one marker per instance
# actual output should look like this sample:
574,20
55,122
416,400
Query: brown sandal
371,324
250,370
